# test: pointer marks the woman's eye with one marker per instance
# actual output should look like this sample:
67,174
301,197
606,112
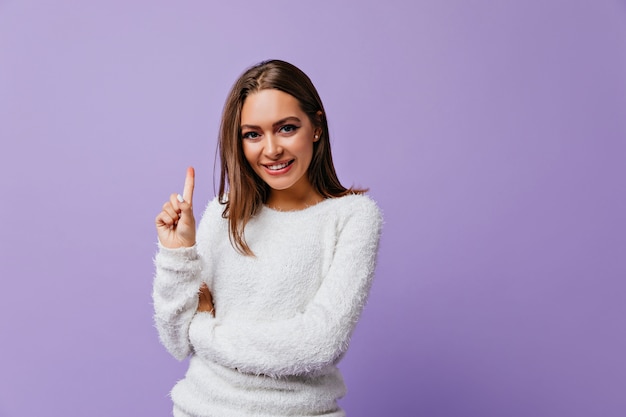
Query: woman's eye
250,135
288,128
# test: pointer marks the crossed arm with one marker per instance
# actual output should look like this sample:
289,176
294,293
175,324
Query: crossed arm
304,343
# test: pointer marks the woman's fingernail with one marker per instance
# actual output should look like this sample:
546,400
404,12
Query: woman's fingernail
180,198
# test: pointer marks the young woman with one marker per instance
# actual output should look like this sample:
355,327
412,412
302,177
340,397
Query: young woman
265,296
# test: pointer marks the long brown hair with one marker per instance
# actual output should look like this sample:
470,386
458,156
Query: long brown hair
246,191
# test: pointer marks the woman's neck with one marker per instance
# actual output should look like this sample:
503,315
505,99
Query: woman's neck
293,199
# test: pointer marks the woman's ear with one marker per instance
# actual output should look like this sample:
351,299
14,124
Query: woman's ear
316,134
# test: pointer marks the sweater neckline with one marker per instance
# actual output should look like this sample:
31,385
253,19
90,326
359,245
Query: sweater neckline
307,209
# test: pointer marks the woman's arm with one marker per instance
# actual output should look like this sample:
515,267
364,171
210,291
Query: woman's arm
314,338
175,297
178,266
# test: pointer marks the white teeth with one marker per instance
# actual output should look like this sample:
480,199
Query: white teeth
277,166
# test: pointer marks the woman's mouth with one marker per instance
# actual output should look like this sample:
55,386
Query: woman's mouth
278,168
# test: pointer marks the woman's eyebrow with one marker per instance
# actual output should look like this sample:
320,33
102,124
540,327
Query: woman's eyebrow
278,123
286,119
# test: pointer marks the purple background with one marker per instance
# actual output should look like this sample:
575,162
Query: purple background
492,134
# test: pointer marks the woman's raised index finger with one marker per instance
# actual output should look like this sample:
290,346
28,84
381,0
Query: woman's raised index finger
189,184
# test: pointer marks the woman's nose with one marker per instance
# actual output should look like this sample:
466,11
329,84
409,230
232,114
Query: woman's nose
273,148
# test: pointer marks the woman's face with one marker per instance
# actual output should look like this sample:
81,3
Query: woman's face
277,138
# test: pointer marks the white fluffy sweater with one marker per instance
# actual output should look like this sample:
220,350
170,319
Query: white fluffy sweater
283,318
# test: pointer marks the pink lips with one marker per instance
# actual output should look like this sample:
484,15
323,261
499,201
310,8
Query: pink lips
278,171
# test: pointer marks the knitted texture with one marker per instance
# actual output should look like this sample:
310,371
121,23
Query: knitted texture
283,318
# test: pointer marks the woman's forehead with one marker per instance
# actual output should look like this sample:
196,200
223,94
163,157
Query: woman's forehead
268,106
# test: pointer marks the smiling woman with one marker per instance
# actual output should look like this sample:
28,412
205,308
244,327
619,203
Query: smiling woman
266,296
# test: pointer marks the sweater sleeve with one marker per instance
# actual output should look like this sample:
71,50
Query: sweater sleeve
179,274
314,338
175,297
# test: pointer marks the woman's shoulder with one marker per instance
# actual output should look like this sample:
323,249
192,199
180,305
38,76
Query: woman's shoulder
214,205
359,219
212,212
360,203
212,225
358,208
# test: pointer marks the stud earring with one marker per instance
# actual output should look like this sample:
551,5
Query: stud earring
316,136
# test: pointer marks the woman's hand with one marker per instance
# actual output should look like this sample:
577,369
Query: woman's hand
175,224
205,300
